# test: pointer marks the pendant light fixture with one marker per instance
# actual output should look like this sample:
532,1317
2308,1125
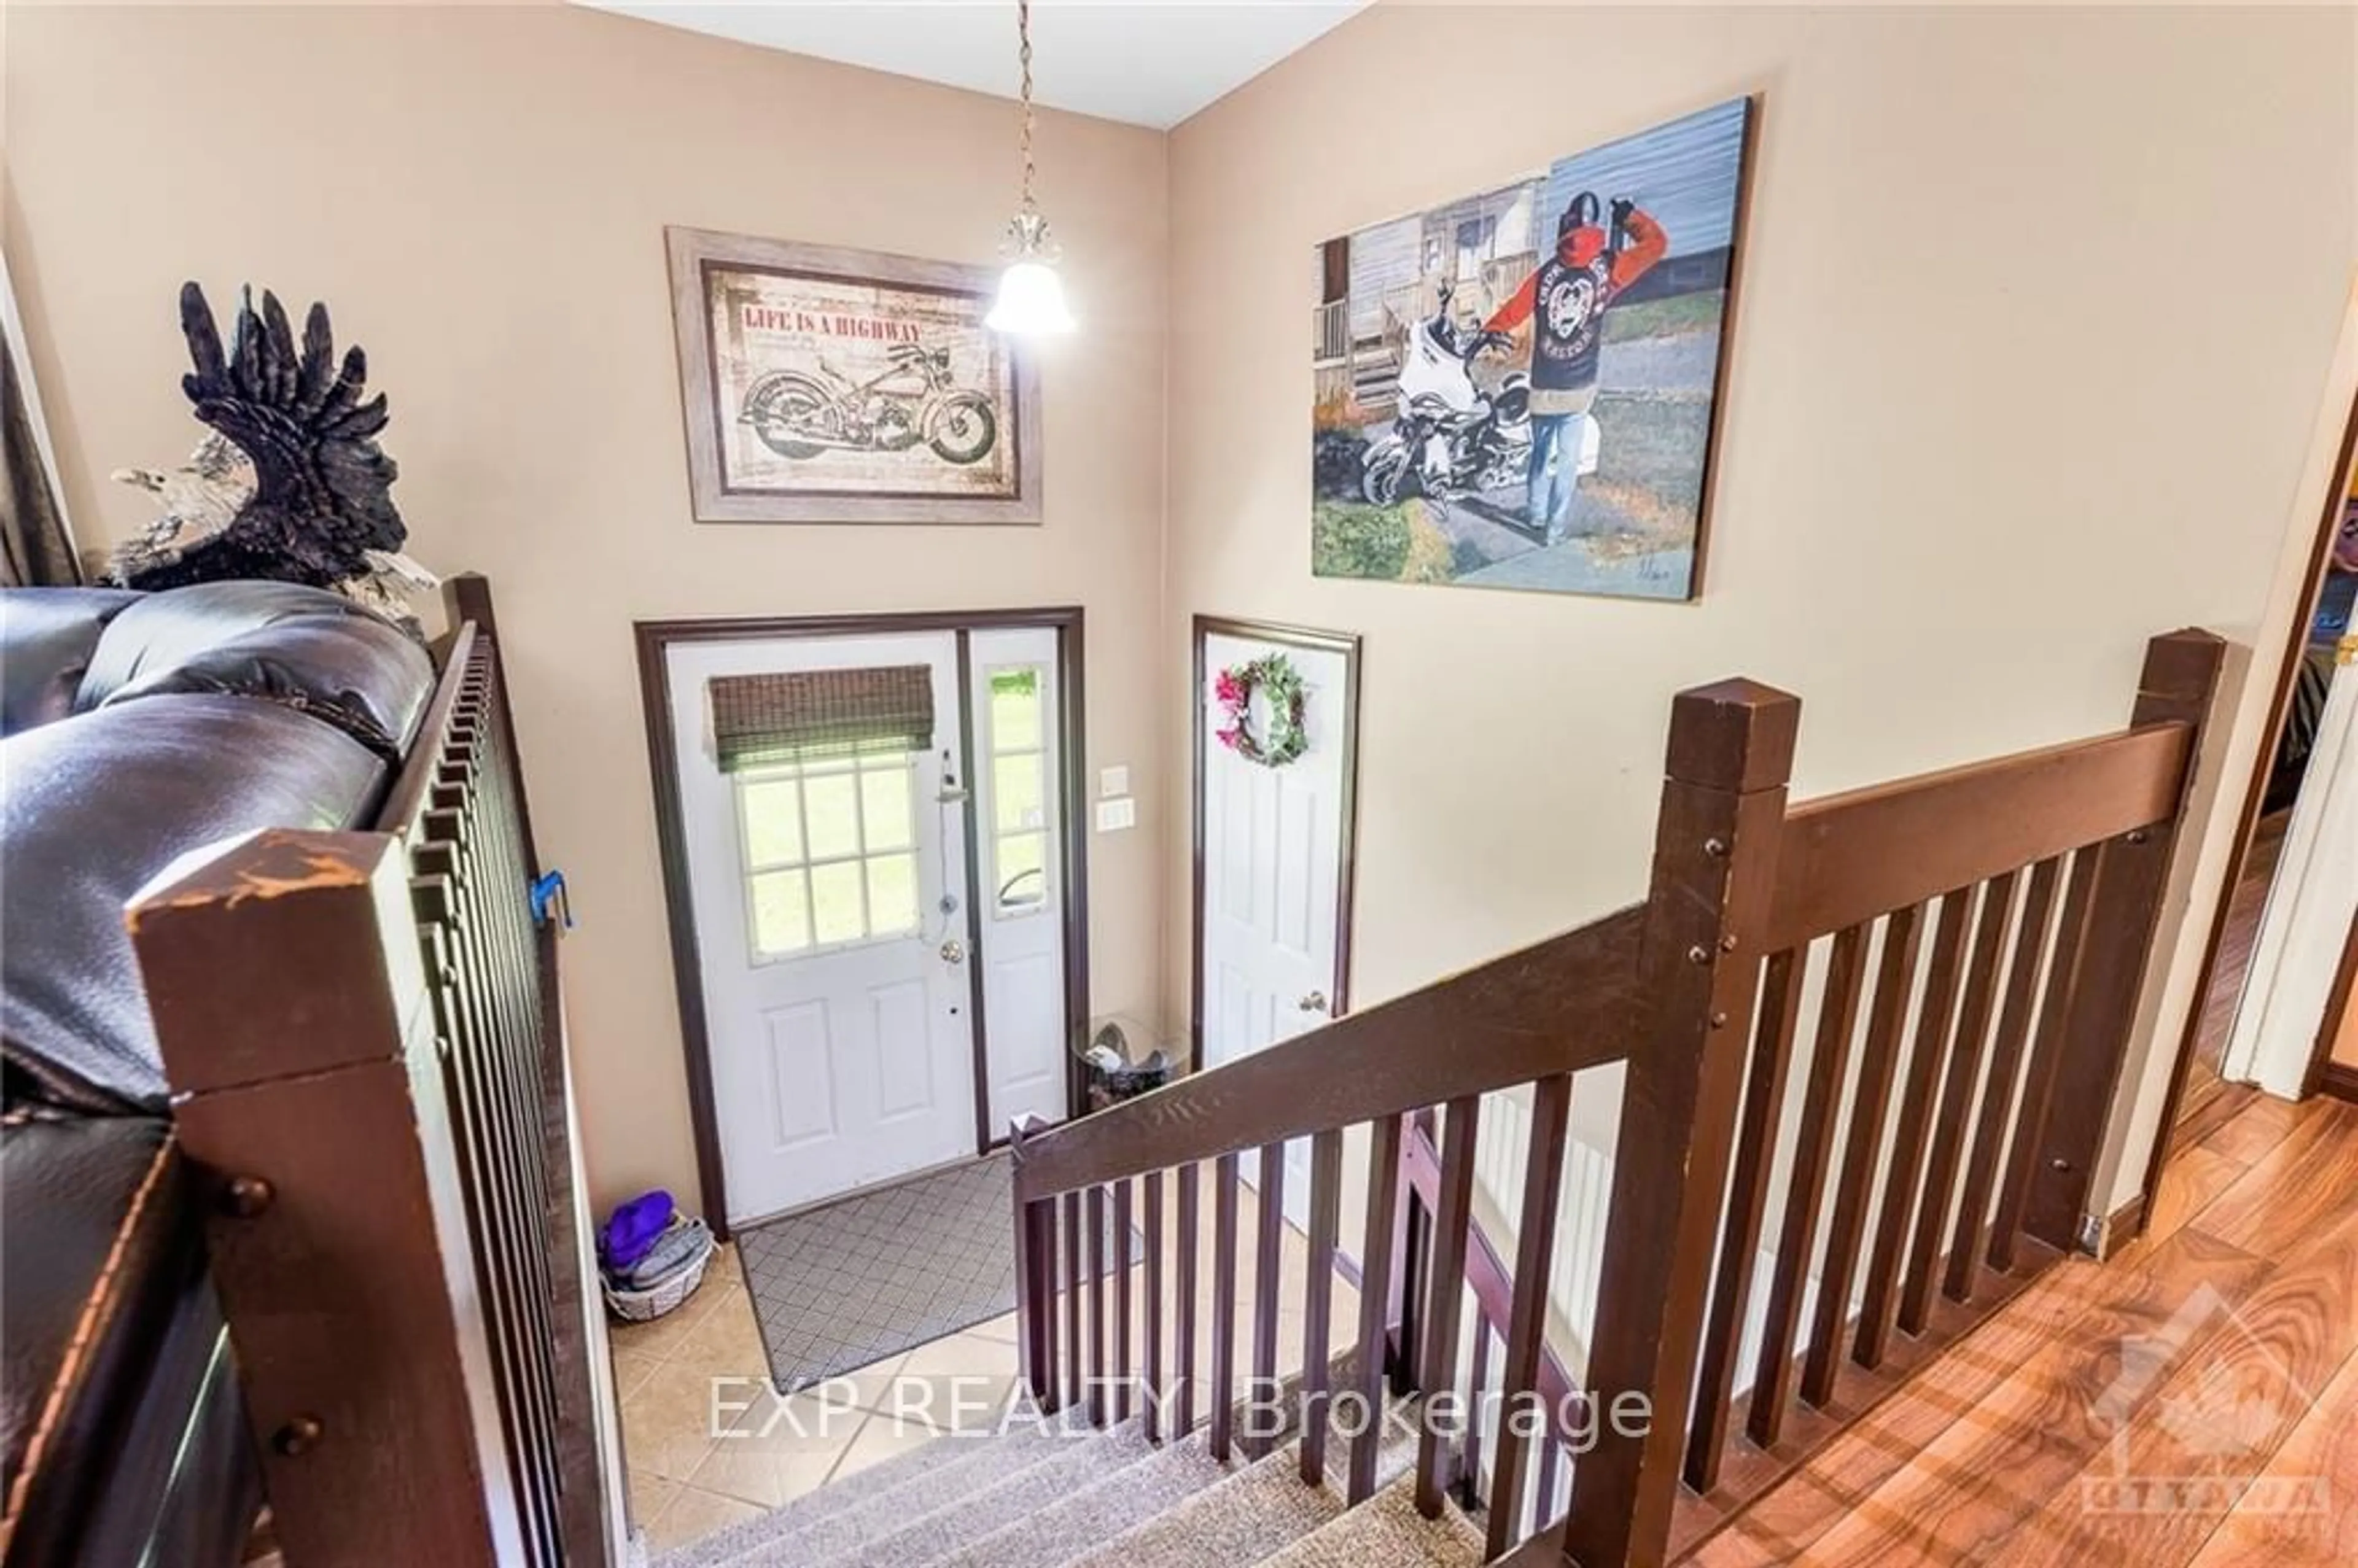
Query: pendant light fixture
1031,295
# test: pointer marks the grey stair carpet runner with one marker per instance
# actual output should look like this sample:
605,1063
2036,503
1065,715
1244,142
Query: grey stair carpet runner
1051,1495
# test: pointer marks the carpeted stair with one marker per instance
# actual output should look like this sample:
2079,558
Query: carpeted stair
1049,1494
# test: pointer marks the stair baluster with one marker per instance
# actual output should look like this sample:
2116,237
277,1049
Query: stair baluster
1097,1242
1268,1281
1075,1364
1224,1305
1805,1187
1863,1136
1318,1299
1182,1329
2024,972
1379,1259
1934,1015
1527,1328
1983,972
1544,1495
1151,1351
2063,973
1446,1282
1747,1203
1468,1459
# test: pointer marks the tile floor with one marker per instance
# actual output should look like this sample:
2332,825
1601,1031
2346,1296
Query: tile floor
707,1444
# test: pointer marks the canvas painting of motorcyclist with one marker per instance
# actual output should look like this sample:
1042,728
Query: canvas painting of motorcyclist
830,385
1517,389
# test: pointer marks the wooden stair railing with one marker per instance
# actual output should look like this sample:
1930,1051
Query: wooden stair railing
2038,881
364,1035
1539,1015
2029,892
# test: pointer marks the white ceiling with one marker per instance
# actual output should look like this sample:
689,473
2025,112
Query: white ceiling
1150,62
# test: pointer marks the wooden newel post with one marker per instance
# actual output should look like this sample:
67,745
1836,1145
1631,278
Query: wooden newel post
1036,1286
290,1003
1730,754
2131,881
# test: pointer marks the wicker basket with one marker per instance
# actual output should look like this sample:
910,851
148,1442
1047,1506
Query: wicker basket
644,1306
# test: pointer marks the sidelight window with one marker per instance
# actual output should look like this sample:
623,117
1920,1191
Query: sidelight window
1018,735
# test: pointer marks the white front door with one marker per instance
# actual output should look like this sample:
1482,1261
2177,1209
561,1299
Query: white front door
830,901
1273,842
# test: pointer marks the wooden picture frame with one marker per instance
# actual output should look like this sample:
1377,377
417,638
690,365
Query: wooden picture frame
848,386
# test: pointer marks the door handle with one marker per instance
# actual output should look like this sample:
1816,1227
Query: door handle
1315,1002
953,951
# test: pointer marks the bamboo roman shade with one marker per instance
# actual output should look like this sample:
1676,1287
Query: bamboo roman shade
795,716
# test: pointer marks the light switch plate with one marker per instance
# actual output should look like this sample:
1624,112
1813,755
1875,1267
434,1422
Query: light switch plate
1112,783
1113,815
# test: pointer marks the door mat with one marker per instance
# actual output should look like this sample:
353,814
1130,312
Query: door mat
839,1288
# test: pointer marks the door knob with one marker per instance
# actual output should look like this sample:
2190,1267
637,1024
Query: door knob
953,951
1315,1002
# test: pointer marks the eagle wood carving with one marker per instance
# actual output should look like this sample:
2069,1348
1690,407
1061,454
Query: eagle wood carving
291,485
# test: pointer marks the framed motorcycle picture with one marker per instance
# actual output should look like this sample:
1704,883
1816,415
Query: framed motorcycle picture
830,385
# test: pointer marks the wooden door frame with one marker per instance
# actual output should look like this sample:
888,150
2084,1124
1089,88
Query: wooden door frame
654,638
1348,644
2286,672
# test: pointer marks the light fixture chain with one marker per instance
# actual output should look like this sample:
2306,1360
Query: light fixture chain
1024,53
1031,297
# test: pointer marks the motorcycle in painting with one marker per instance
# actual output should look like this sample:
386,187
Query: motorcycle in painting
800,413
1449,438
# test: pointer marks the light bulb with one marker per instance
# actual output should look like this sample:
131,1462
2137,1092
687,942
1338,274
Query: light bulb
1031,299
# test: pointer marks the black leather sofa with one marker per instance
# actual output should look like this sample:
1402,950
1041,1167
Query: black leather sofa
135,729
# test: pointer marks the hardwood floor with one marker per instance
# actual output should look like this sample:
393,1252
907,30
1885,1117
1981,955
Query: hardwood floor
2193,1402
2210,1101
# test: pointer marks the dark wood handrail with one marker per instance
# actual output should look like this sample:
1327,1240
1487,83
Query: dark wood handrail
1846,857
1555,1007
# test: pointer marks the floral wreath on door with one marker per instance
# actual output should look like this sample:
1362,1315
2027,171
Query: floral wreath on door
1274,677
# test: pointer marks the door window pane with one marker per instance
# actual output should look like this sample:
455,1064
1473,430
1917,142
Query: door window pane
1017,796
1017,865
832,814
1015,710
892,895
830,853
774,821
838,912
1023,870
885,808
781,914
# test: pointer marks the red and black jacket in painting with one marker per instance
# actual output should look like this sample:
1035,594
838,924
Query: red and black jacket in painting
1566,296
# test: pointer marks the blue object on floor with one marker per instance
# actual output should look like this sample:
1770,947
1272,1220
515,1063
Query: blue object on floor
632,1229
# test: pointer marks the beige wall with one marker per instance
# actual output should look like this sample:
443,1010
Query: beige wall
2035,314
2034,318
480,196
